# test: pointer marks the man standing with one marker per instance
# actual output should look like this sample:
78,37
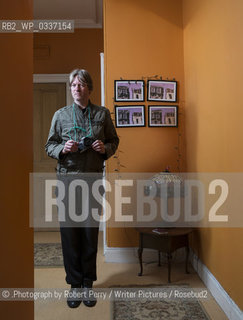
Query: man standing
81,137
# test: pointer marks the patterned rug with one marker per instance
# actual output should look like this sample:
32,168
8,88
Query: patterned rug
159,310
48,255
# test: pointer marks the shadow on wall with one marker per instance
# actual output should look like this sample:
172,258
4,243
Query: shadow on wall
190,10
197,245
191,135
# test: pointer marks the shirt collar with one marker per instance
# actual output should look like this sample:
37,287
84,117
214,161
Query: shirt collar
83,110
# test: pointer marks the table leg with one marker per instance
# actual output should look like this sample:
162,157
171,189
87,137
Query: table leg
140,252
187,259
169,256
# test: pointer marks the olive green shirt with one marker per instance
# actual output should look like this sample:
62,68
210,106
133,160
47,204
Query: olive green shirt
95,122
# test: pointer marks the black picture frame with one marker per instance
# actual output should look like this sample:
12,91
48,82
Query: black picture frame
129,90
162,90
163,116
130,116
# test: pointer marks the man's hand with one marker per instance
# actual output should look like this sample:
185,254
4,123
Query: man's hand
70,146
98,146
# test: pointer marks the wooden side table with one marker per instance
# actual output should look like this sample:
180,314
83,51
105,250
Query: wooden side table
167,240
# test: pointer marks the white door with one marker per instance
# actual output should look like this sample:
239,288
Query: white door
48,97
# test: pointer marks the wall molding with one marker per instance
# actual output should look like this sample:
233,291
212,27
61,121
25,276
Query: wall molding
47,77
129,255
55,78
84,14
87,24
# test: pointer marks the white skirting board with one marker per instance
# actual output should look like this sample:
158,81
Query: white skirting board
120,255
229,307
130,255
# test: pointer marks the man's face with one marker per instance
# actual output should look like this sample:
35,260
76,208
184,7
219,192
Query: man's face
80,91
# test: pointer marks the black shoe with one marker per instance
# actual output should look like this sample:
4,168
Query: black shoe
87,286
74,296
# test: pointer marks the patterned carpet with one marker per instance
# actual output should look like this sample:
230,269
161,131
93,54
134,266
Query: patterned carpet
159,310
48,255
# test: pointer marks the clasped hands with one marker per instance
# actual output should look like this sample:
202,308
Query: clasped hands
72,146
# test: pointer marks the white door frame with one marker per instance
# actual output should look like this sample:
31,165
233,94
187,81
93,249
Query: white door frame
102,81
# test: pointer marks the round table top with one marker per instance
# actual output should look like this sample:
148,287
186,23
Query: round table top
172,232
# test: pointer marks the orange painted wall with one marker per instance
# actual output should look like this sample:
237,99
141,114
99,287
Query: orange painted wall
213,51
143,39
63,52
200,44
16,238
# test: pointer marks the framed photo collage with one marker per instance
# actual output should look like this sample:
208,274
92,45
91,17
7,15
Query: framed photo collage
134,115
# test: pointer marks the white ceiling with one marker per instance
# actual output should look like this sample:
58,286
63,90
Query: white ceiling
85,13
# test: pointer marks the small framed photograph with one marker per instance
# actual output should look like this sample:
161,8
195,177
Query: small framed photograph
163,116
130,116
129,90
159,90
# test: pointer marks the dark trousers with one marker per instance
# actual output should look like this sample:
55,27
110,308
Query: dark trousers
79,239
79,246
